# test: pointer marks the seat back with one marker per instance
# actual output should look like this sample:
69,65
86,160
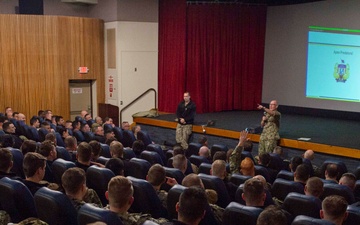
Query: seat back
129,153
54,207
357,173
18,159
33,134
138,168
341,167
281,188
151,157
357,190
89,136
299,204
216,184
91,214
197,160
337,189
238,179
276,162
218,147
128,138
237,214
79,136
286,175
353,215
193,149
98,178
105,150
145,199
144,137
245,154
205,168
174,173
107,127
58,168
103,160
59,140
16,200
260,170
42,133
157,148
63,153
118,134
307,220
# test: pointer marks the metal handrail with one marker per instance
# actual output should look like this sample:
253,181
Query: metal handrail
135,100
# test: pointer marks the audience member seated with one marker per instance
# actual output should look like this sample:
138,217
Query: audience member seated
9,128
34,168
219,155
334,209
83,157
6,163
99,134
180,163
302,174
120,195
63,132
254,193
125,125
48,150
71,146
308,157
314,187
203,141
218,169
28,146
247,167
117,151
138,147
264,161
331,173
156,177
348,179
272,215
191,207
95,150
205,152
295,162
74,183
191,168
116,165
235,157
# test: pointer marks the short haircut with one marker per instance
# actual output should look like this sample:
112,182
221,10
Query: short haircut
253,190
138,147
192,204
202,140
5,159
348,179
156,175
218,167
179,161
248,146
110,140
272,215
28,146
116,165
177,149
6,125
57,118
34,119
302,172
219,155
294,162
70,141
192,180
84,151
32,162
73,179
117,149
95,147
51,137
45,148
332,170
265,158
315,186
247,167
334,206
7,140
61,130
120,191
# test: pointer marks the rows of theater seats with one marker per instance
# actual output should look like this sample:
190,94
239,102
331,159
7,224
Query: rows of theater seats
53,207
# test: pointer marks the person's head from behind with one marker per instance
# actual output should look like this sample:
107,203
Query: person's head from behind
84,153
203,140
70,143
116,165
264,159
177,149
28,146
6,160
116,149
138,147
50,137
302,173
331,171
96,149
74,182
278,150
295,162
254,192
180,162
156,175
348,179
204,151
192,180
218,169
34,166
64,132
247,167
48,150
219,155
120,194
191,206
272,215
248,146
334,209
7,141
309,154
314,187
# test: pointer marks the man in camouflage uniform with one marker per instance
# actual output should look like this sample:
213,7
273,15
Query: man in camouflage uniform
185,114
271,124
235,157
120,195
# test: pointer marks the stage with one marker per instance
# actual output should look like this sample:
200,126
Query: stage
338,137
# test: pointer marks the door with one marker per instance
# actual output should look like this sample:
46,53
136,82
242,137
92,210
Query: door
80,97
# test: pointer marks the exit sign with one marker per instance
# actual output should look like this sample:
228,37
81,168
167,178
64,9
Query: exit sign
83,69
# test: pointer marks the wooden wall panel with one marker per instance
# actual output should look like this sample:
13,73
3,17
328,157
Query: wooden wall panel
40,54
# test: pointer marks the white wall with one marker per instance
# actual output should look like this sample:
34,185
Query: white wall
286,49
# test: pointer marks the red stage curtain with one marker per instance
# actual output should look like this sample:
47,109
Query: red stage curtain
172,49
224,57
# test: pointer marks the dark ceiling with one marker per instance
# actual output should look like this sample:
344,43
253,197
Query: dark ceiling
265,2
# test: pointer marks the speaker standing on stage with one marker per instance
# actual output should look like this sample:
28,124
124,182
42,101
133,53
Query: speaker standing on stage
185,114
270,123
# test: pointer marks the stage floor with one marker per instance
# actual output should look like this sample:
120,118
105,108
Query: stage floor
328,135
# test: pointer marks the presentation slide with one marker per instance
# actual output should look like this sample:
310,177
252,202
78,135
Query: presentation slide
333,64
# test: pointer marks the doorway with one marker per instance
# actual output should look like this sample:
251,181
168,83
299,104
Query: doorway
81,97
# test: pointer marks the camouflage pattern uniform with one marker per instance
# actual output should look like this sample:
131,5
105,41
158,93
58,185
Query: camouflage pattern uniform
138,218
92,197
4,217
77,203
270,134
32,221
235,159
218,212
163,197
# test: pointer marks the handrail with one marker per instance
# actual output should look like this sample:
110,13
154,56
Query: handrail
135,100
